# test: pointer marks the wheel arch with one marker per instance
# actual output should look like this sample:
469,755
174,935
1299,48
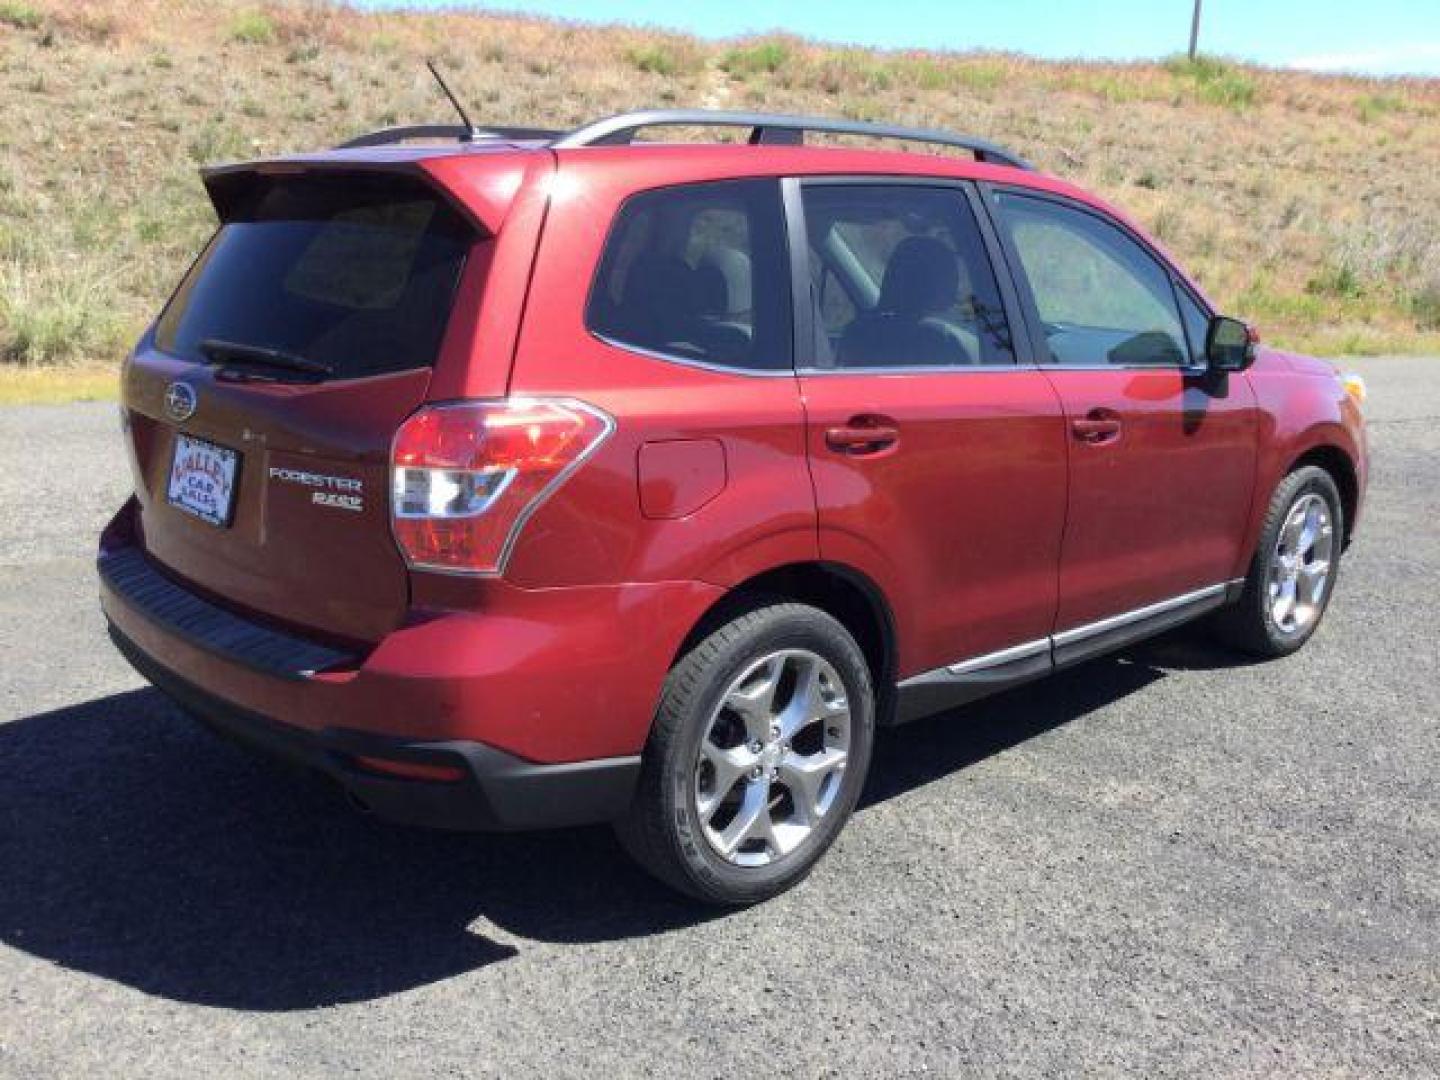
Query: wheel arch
844,593
1338,463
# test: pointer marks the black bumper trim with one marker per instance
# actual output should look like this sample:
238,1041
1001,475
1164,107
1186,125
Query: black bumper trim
135,580
500,792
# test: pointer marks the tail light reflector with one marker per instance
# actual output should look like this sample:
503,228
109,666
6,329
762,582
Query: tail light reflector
466,476
412,770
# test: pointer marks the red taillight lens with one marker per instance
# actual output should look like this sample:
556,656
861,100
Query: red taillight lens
466,476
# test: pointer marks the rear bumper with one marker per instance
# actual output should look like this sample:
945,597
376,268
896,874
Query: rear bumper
493,790
527,710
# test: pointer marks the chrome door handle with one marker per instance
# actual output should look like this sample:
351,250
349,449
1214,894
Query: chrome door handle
1098,427
862,436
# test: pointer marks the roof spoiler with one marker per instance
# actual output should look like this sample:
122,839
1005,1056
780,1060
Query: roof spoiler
486,199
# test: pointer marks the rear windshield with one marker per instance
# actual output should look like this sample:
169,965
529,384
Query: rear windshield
356,272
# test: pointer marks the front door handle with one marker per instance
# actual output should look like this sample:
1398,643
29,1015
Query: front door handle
1098,426
863,435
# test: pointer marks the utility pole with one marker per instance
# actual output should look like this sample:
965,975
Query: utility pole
1195,30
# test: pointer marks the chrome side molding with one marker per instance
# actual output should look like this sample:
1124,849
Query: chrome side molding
978,676
1125,618
1000,657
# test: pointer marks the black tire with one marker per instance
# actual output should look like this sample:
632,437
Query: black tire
1247,624
663,830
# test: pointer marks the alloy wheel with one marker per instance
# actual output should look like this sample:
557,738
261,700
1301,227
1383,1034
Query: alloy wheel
1300,565
772,760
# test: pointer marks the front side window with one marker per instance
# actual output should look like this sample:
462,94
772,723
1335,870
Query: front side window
1197,324
698,272
901,278
1101,298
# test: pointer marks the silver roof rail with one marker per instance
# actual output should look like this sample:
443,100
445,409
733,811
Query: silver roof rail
458,132
777,129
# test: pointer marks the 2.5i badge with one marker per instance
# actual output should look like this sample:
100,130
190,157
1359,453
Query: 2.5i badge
338,492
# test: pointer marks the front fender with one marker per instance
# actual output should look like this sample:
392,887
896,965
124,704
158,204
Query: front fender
1302,411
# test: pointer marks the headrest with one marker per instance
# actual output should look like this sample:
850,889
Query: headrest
724,275
921,278
658,279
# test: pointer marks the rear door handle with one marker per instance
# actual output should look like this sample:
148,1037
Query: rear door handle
863,435
1100,426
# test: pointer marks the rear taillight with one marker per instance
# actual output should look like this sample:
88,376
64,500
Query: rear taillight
466,476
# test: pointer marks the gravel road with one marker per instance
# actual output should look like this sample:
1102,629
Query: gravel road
1164,862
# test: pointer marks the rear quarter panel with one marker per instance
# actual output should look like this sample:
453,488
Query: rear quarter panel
593,530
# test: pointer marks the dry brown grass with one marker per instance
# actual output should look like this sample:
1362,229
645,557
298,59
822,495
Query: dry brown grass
1310,204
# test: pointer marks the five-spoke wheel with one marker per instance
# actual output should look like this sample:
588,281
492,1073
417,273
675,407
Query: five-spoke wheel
1300,564
757,755
1293,571
773,756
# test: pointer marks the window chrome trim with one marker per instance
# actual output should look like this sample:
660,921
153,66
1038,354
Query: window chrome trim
685,361
1188,370
915,369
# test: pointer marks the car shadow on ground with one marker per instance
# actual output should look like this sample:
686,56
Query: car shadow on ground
137,847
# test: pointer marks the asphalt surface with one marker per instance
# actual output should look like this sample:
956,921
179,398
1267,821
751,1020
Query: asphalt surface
1165,862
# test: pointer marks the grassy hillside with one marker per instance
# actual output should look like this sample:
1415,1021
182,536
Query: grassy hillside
1308,204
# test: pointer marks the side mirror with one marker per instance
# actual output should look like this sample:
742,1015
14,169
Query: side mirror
1229,345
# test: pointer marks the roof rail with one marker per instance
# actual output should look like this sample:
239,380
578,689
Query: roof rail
777,129
458,132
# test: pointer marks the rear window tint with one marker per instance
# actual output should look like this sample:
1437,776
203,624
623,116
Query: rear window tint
356,272
698,272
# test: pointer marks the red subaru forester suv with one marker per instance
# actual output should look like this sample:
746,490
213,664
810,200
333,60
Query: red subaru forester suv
536,479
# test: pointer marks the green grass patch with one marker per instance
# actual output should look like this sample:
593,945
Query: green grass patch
843,71
1336,342
1214,81
1113,88
1338,280
252,28
762,57
20,15
928,73
979,75
214,142
57,329
1373,106
1425,304
661,59
1259,302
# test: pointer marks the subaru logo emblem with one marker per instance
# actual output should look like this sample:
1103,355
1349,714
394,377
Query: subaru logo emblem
180,401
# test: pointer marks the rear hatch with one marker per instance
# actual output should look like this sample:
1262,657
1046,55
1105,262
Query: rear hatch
262,404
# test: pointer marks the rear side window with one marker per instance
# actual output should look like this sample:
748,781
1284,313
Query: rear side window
1101,297
698,272
355,272
902,278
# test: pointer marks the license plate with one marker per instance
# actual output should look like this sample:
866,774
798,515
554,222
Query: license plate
202,479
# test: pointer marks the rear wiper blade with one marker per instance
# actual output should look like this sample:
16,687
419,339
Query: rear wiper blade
228,352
